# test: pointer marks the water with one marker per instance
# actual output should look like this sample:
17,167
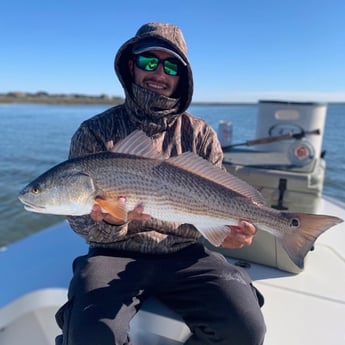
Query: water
36,137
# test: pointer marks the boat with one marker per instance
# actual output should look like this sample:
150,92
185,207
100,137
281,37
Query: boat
302,305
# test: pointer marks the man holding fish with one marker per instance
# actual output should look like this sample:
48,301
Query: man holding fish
136,256
142,184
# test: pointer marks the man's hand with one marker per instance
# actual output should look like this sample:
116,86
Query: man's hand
241,235
137,214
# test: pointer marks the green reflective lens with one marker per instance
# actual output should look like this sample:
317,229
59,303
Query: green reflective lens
147,63
170,68
150,63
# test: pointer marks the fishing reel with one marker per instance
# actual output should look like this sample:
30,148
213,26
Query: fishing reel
301,152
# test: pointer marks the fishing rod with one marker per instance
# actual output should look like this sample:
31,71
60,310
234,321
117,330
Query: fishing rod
267,140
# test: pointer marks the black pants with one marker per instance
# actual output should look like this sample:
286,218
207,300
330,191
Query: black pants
216,300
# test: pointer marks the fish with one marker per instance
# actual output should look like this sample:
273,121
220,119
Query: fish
182,189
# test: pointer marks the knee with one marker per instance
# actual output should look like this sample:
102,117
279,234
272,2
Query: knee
88,327
254,335
249,330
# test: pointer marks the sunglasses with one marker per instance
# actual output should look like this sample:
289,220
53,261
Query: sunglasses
150,63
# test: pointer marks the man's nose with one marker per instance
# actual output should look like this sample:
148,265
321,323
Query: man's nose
159,70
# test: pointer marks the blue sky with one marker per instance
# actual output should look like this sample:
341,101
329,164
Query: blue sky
240,50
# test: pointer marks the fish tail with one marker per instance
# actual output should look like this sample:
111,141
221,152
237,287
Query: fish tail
299,242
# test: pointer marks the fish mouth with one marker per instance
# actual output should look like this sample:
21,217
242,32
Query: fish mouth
29,206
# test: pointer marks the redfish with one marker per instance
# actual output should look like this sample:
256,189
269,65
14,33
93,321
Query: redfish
182,189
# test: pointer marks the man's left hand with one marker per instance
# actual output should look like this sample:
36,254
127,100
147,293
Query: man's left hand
241,235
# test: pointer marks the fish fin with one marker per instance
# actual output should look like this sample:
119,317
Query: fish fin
299,242
137,144
215,235
113,207
193,163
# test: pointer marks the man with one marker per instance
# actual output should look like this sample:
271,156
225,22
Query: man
145,257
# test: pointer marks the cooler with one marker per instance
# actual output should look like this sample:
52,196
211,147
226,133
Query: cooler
276,118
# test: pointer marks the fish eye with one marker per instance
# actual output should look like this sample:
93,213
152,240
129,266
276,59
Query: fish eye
35,190
294,222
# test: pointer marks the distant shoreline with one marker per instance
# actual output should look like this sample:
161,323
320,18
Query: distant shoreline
45,98
80,99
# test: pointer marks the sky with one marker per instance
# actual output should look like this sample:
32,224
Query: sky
240,50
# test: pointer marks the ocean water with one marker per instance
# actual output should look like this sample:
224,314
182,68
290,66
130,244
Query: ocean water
36,137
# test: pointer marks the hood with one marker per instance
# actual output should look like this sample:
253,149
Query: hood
163,36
